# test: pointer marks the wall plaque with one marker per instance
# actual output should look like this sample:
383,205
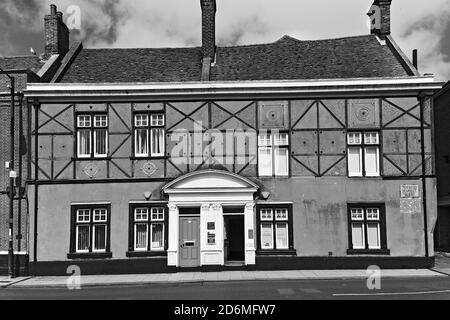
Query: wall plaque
409,191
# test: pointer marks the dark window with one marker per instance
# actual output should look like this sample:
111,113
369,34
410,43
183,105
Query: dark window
90,231
149,135
367,228
148,229
92,136
275,232
363,156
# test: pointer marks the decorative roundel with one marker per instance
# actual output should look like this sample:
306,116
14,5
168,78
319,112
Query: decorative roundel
363,113
91,170
149,168
273,115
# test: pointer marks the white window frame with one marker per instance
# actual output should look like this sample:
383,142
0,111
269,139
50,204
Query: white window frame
261,227
94,226
143,222
95,129
157,213
270,141
77,234
287,235
88,122
362,144
142,124
151,236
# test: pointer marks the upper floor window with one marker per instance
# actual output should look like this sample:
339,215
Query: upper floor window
273,153
92,135
363,154
149,135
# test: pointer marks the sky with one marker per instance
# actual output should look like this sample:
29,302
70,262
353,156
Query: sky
416,24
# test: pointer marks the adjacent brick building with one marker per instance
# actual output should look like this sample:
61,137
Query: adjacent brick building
287,155
24,69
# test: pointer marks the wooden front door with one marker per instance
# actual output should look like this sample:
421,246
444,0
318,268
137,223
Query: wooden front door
189,241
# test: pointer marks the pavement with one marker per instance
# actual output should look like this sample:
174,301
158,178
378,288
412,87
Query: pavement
199,277
441,269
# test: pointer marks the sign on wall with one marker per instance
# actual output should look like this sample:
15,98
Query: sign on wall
409,191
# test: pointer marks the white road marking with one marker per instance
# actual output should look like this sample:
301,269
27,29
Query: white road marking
391,293
286,292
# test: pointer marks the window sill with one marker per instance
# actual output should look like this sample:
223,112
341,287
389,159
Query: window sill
134,158
369,251
282,252
90,255
92,159
141,254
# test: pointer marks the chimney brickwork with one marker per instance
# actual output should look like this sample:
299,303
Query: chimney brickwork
208,28
56,33
380,16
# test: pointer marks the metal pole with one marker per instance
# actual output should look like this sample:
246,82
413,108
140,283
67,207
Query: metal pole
11,187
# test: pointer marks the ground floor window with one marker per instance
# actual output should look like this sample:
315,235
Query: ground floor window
367,228
275,232
148,229
90,230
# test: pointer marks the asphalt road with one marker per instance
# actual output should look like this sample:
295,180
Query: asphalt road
391,289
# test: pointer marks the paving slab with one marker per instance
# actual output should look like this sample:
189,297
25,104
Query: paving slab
218,276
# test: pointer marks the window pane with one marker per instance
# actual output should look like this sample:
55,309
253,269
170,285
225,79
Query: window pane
282,236
266,236
157,142
373,214
373,235
82,238
281,214
84,121
101,141
141,120
100,121
358,236
84,143
371,138
281,139
281,162
157,214
354,138
265,161
266,214
157,236
264,139
372,162
141,214
83,215
100,215
357,214
354,162
141,142
157,120
100,237
141,237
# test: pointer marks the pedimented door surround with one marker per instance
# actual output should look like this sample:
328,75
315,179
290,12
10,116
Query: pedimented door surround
210,190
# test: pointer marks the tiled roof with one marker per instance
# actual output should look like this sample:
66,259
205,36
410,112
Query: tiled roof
285,59
34,63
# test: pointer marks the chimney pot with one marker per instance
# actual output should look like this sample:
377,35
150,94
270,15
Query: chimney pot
53,10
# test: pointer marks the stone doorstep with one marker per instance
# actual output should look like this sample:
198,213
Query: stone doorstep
40,282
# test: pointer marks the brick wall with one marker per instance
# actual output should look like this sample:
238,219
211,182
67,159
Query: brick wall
208,28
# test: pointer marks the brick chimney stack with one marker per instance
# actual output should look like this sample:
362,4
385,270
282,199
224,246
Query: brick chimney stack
208,28
56,33
380,18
